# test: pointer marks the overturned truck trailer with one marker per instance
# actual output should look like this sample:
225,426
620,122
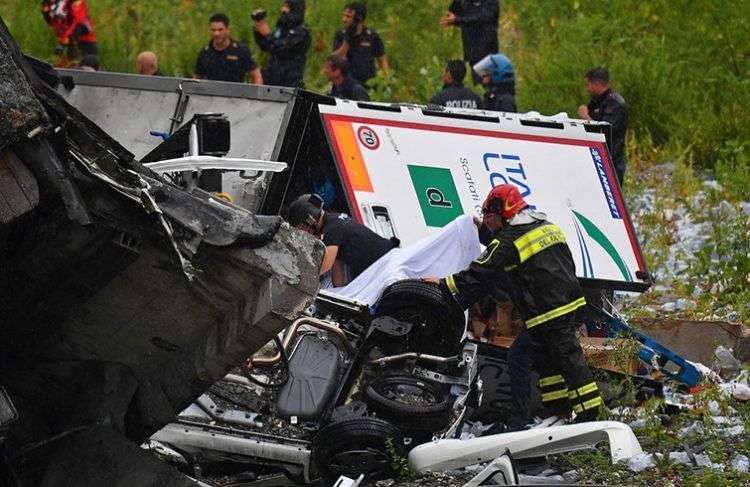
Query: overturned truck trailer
403,170
124,297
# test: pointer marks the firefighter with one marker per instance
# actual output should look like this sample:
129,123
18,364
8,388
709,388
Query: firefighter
72,26
350,246
499,80
533,255
287,45
607,105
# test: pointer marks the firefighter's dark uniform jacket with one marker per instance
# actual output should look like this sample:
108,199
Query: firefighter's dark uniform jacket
533,261
610,107
288,46
538,263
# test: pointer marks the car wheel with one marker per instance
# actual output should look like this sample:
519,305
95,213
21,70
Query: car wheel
356,446
438,323
409,403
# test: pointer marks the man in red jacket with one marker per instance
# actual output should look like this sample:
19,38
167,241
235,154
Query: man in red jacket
73,27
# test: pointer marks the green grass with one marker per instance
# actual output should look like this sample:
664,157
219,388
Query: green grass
683,66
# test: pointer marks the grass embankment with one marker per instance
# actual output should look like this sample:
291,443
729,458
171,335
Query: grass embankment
683,66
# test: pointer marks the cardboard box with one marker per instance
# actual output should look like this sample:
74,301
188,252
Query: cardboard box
611,354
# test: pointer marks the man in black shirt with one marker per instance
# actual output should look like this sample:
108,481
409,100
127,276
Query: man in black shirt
287,45
225,59
342,84
348,243
454,93
499,80
360,45
478,20
607,105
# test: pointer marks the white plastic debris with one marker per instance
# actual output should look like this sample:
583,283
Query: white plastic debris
638,424
571,477
740,464
694,428
732,431
680,457
715,409
539,480
726,359
641,462
713,184
724,421
703,461
706,372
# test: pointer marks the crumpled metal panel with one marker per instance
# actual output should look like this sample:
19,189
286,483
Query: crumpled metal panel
20,110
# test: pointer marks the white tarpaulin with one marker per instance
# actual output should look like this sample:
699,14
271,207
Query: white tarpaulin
447,251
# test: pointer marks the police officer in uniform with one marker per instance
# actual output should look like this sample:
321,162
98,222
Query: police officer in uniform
478,20
287,45
360,45
350,246
607,105
225,59
343,85
454,93
499,81
532,254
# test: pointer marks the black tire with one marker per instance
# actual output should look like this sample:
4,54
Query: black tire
356,446
389,398
438,322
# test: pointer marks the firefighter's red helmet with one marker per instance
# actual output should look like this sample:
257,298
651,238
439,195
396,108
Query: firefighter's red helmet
505,199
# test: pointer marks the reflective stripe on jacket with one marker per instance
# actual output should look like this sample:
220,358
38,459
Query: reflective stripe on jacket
539,267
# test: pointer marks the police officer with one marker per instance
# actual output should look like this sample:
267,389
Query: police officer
533,255
336,69
454,93
499,81
350,247
607,105
360,45
225,59
287,45
478,20
73,27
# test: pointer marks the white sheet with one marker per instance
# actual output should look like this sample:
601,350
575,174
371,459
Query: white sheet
447,251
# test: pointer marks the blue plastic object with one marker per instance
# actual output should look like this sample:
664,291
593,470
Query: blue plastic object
164,136
653,352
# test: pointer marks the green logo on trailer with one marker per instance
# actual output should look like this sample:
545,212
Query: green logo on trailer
437,194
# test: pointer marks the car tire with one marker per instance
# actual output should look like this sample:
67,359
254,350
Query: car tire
389,398
438,323
356,446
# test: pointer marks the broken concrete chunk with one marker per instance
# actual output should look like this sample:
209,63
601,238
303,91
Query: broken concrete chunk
694,428
740,464
680,457
641,462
